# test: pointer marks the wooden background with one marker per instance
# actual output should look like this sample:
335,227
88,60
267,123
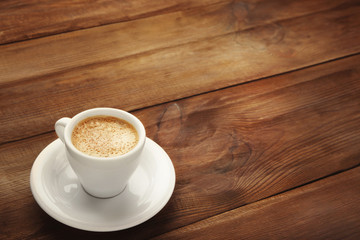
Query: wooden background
256,102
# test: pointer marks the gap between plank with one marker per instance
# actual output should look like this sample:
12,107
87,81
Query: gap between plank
249,81
25,138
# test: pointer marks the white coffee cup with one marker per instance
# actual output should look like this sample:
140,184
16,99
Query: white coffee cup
101,177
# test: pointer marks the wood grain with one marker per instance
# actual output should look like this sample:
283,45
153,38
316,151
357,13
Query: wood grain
20,215
245,143
33,19
326,209
230,148
178,69
256,102
108,43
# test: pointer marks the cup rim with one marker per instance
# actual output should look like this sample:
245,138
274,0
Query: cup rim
101,111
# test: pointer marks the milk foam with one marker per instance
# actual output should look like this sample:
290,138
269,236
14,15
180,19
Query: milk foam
104,136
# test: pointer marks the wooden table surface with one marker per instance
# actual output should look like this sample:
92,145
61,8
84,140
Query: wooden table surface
257,103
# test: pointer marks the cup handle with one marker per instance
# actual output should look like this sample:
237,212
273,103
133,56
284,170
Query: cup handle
60,127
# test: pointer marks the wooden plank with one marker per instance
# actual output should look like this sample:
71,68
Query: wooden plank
230,148
31,59
326,209
18,207
108,43
33,19
153,77
248,142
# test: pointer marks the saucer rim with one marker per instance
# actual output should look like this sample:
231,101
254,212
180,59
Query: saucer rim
43,201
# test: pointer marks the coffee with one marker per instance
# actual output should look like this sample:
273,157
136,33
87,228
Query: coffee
104,136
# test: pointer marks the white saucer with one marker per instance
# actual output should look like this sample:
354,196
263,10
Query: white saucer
58,192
